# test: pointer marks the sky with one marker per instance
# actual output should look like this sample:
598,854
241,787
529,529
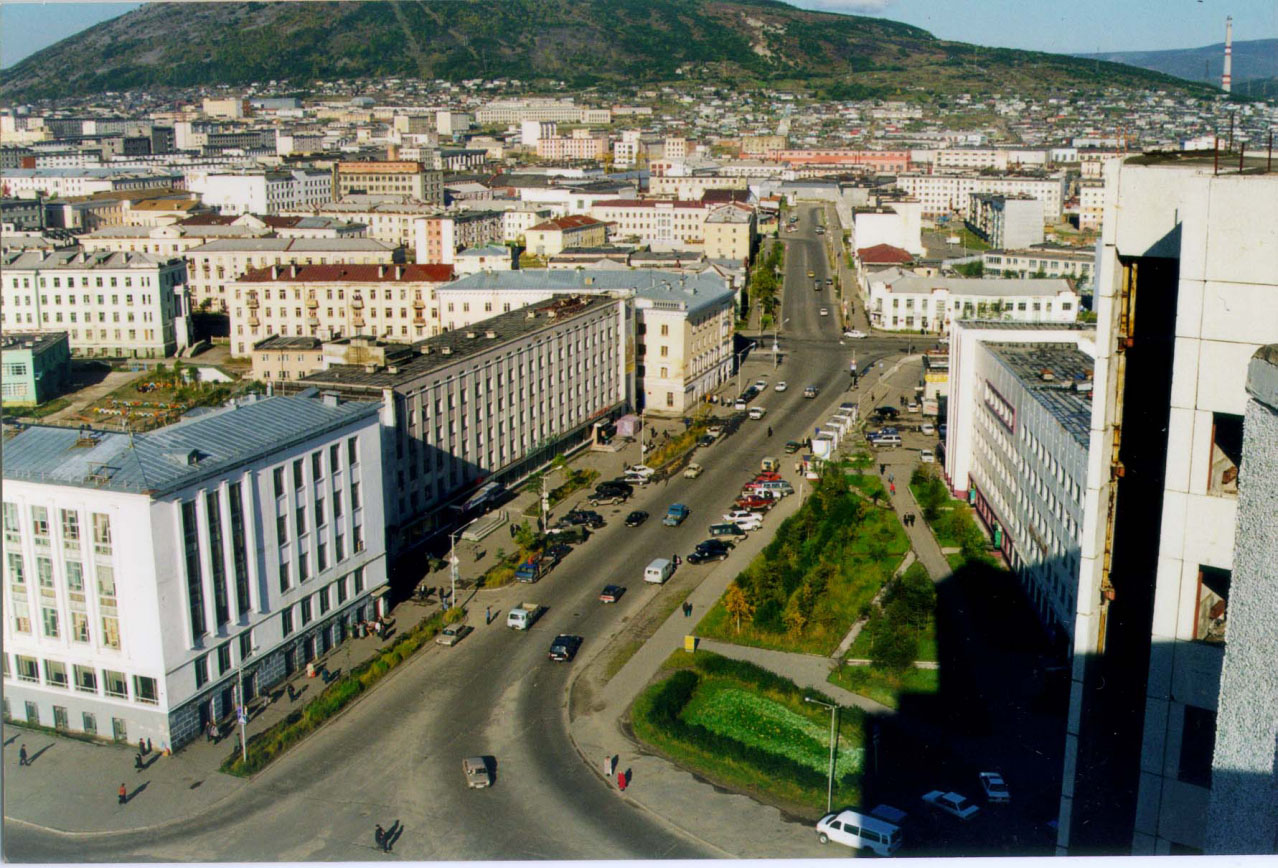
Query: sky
1065,26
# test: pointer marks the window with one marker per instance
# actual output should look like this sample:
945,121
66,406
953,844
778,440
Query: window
323,601
352,451
278,477
246,645
144,690
115,684
217,558
49,620
1226,453
286,621
40,524
28,669
70,528
341,591
1197,742
101,533
281,529
1212,604
359,580
55,674
223,658
90,723
201,671
297,473
306,611
355,503
319,512
12,527
194,578
86,679
337,504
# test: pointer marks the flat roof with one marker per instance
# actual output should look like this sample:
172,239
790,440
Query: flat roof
989,286
299,245
76,259
162,461
1051,373
36,342
696,291
455,346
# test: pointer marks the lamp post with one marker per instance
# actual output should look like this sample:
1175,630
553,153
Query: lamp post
452,565
776,349
834,711
739,356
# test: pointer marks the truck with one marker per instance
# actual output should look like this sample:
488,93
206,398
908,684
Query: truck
524,615
675,515
532,569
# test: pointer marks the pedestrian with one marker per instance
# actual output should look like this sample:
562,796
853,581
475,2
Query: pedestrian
769,430
512,531
137,761
488,614
22,756
124,793
882,469
291,695
379,835
621,781
892,488
148,746
891,477
141,747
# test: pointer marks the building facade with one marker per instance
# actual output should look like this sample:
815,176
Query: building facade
1073,263
154,582
388,178
35,366
1005,221
553,236
902,301
437,239
949,193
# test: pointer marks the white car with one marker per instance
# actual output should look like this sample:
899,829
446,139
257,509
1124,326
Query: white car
636,479
926,456
744,519
951,803
995,787
640,470
780,387
757,412
825,311
859,831
761,384
855,333
927,428
912,407
693,471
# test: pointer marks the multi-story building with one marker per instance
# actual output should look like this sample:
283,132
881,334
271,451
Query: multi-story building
685,321
549,238
540,109
949,193
388,178
581,145
390,222
1016,449
1050,260
896,224
693,187
280,357
437,239
843,158
21,215
263,192
154,581
903,301
1185,291
215,266
489,403
61,183
1091,204
1005,221
495,257
662,222
396,302
758,146
176,239
730,232
111,304
35,365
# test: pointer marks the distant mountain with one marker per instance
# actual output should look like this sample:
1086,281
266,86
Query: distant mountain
1253,59
579,42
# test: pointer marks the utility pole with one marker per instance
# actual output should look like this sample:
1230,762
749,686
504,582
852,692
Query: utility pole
452,560
241,715
834,711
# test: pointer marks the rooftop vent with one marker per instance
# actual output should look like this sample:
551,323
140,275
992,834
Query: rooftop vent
1046,375
490,334
532,314
470,336
448,351
331,399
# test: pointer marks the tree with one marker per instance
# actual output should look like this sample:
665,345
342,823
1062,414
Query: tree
893,648
793,617
737,605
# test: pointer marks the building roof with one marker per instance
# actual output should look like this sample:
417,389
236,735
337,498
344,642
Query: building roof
293,245
693,292
490,250
1058,376
454,346
287,342
77,259
686,204
572,221
913,284
173,457
731,213
348,273
35,342
884,254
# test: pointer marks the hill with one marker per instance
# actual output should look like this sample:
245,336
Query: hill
1253,59
579,42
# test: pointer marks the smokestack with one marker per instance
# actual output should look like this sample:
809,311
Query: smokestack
1227,77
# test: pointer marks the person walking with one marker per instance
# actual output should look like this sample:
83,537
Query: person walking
124,793
769,430
148,746
23,760
488,615
892,488
379,835
137,761
882,469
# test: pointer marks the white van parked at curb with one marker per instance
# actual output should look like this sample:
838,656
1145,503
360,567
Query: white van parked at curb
860,832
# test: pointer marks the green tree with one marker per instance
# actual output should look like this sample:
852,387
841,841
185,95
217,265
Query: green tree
794,618
893,647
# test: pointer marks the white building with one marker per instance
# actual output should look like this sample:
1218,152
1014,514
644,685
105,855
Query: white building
63,183
111,304
898,224
1005,221
662,223
1091,204
263,192
1185,297
148,576
1050,260
948,193
903,301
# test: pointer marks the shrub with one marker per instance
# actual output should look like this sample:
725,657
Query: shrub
894,647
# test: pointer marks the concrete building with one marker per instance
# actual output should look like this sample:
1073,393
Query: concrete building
662,223
1005,221
391,222
495,257
62,183
948,193
540,109
263,192
116,305
1016,449
388,178
280,357
685,321
217,265
437,239
730,232
896,224
1185,295
1091,204
903,301
1049,260
553,236
581,145
693,187
21,215
843,158
395,302
233,108
153,580
487,404
36,366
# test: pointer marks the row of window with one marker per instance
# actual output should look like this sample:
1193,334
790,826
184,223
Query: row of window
85,679
301,613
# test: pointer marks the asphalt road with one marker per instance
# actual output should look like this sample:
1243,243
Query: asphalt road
397,756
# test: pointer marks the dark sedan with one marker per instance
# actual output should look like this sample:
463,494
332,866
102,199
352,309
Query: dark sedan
611,593
564,648
710,550
636,518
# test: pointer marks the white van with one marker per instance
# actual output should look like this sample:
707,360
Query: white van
860,832
658,571
887,440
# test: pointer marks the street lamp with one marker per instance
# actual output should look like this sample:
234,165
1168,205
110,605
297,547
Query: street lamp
453,562
834,712
776,349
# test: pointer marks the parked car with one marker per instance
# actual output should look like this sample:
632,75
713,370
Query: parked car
951,803
811,273
927,428
640,470
588,517
912,407
564,648
888,412
745,519
995,787
767,475
859,831
760,385
926,456
611,593
757,413
693,471
637,479
811,391
825,311
755,503
557,552
829,281
715,431
636,518
453,634
727,529
717,552
792,446
740,403
706,440
780,387
855,333
475,771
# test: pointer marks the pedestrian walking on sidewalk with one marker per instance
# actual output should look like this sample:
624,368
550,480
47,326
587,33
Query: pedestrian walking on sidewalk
488,615
892,488
379,835
124,794
148,746
137,761
891,477
22,756
142,747
882,469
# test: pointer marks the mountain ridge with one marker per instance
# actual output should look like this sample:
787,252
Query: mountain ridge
578,42
1253,59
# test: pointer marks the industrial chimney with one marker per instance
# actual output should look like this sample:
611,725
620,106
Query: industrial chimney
1226,78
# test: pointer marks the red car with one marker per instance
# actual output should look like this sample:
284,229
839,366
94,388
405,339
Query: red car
755,503
768,476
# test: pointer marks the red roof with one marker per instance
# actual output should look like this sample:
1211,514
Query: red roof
574,221
881,254
339,273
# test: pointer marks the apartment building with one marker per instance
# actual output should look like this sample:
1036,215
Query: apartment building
685,321
215,266
843,158
581,145
896,224
1005,221
903,301
1050,260
152,582
263,192
437,239
540,109
117,305
730,232
390,222
63,183
758,146
1185,291
949,193
1016,449
490,403
388,178
176,239
36,366
693,187
553,236
281,357
1091,204
667,222
495,257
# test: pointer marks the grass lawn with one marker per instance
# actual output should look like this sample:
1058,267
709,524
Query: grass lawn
45,409
883,686
860,649
867,484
